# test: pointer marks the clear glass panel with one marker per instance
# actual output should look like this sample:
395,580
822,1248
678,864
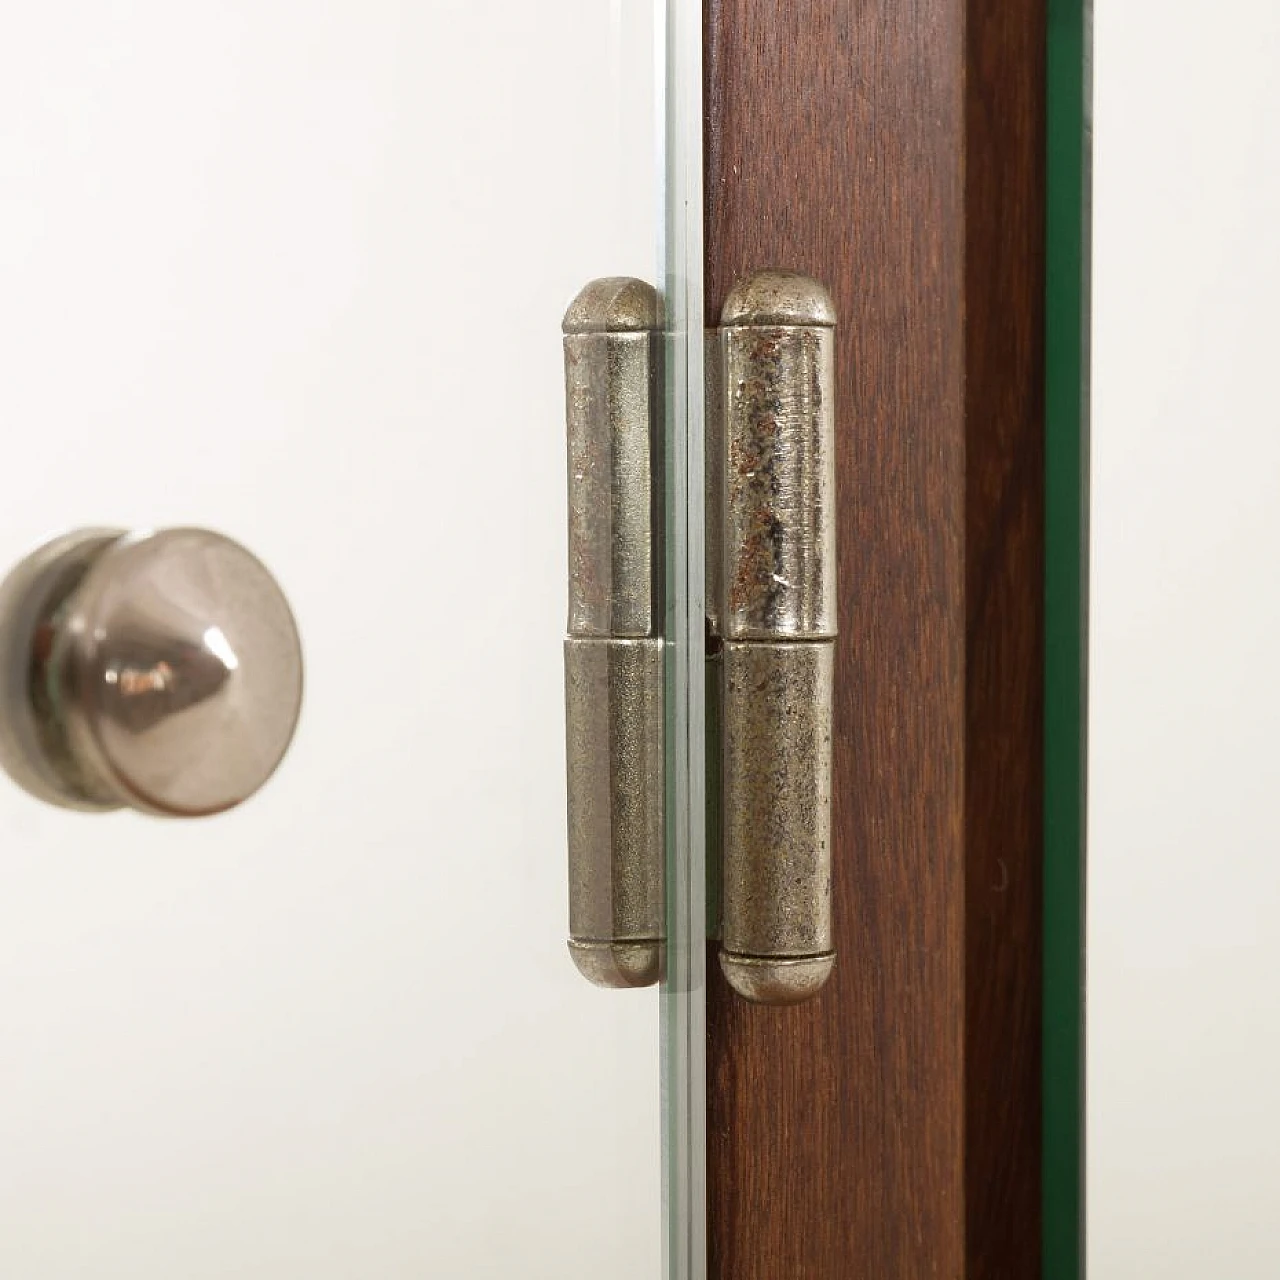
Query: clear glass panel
296,272
1184,689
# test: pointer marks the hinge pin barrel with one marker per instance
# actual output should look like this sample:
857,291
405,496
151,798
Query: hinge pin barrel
777,617
614,709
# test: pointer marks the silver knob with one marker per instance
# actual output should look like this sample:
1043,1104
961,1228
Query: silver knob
158,671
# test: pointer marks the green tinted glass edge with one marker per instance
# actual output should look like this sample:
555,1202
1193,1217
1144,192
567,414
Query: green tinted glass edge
1068,150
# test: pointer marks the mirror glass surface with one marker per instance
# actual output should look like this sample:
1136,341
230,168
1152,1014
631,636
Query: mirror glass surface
296,272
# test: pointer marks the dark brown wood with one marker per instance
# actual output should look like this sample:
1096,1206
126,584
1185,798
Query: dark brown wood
891,1129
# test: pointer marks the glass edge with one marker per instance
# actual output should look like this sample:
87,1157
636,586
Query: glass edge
682,998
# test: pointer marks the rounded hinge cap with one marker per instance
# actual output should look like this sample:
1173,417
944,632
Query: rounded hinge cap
777,979
614,304
778,298
618,964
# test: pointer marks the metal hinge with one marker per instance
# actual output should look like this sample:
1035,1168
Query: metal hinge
771,591
613,658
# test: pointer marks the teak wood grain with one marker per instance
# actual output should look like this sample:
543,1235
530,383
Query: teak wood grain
894,150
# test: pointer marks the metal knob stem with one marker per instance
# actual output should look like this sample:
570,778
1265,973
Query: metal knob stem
156,671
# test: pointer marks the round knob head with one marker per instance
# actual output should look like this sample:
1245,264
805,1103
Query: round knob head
176,673
161,671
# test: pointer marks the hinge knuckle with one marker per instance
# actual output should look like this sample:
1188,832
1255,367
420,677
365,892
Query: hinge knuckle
776,614
614,708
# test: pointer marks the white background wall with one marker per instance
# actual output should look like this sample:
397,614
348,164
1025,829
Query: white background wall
1184,857
295,271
